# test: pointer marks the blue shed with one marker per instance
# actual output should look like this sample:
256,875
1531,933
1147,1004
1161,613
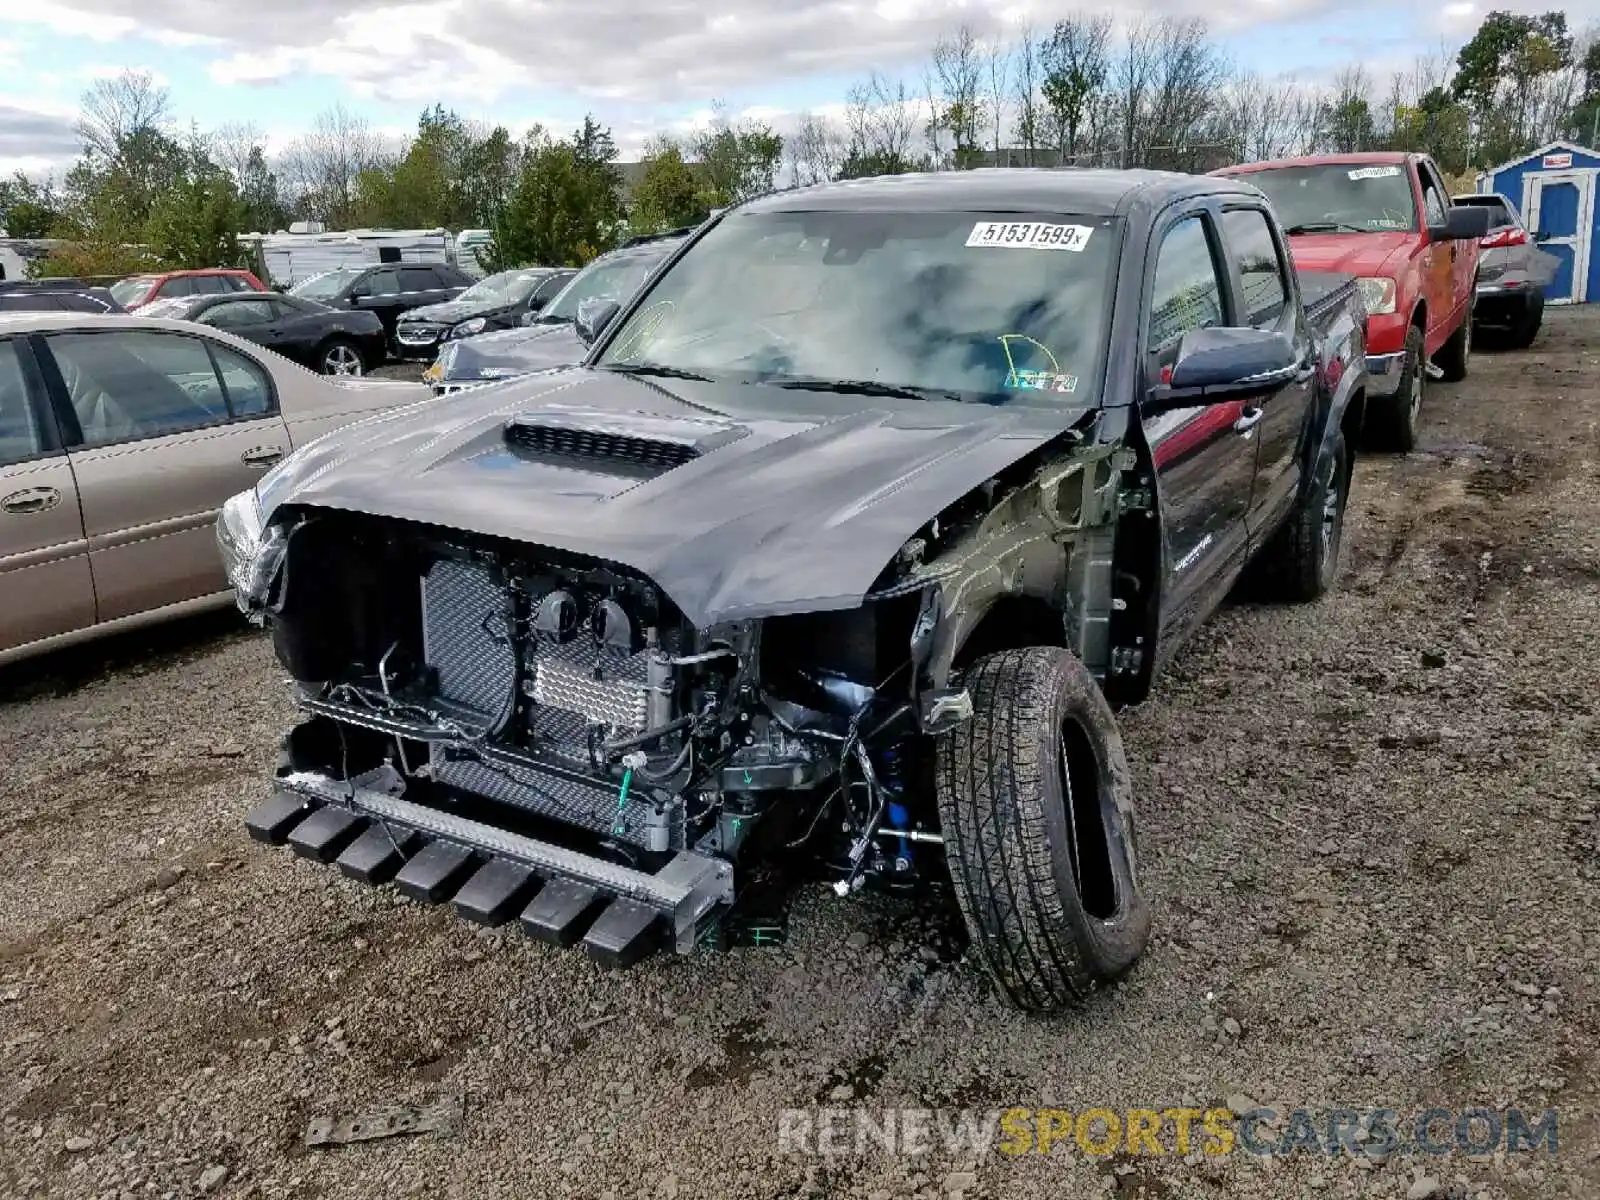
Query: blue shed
1553,188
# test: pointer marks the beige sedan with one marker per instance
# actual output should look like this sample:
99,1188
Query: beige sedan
120,437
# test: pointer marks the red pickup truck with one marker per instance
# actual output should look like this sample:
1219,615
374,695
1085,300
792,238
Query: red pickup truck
1388,220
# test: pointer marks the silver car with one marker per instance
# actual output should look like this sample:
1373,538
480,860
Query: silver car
1512,274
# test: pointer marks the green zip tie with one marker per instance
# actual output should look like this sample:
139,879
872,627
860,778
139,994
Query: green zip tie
622,798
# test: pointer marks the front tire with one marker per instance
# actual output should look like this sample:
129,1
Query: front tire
1036,807
339,357
1396,419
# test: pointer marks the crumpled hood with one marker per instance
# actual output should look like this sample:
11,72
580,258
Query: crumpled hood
796,502
1353,253
523,349
449,312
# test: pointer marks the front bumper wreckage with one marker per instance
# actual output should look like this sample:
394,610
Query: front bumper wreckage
492,875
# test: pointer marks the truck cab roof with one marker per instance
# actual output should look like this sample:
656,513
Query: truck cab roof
1103,193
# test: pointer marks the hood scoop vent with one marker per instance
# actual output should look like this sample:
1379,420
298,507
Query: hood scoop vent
637,444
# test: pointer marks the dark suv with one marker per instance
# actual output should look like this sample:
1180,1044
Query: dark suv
387,289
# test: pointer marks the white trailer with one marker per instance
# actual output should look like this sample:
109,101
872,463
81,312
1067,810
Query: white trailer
287,258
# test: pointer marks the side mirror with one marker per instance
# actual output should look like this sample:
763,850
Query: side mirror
1219,357
1461,223
1219,364
594,315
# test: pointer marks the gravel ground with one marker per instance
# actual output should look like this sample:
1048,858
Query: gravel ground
410,371
1371,844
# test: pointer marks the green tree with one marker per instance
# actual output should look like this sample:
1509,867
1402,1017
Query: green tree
668,194
27,209
1437,124
737,161
196,220
564,207
1499,74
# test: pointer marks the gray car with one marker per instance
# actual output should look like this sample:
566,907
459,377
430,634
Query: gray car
1512,274
547,340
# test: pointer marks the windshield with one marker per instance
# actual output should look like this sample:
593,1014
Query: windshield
327,285
1339,197
508,287
605,279
968,305
131,291
177,308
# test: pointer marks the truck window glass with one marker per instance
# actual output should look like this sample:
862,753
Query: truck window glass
964,304
1187,293
1261,275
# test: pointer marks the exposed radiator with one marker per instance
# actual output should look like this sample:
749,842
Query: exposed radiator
467,624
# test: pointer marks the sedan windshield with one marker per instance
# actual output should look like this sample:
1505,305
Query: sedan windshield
962,305
508,287
178,309
605,279
327,285
131,291
1339,197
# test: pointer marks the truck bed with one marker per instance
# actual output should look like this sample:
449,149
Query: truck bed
1322,292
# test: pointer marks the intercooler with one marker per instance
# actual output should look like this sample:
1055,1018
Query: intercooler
578,689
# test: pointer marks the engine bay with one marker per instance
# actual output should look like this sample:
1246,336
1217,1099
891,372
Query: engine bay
541,687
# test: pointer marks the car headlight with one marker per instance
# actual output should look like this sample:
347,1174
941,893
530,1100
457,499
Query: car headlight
468,328
251,552
1378,295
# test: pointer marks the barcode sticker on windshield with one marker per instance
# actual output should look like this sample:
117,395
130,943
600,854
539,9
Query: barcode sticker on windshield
1029,235
1374,172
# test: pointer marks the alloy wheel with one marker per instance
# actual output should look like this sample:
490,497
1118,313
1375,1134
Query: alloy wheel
341,360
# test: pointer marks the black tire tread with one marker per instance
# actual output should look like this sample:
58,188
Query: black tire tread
1454,357
1523,333
1292,563
1392,427
990,777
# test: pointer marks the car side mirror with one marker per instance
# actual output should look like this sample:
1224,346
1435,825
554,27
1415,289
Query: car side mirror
1220,364
1461,223
594,315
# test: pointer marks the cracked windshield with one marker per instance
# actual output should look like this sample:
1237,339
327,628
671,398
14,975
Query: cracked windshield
958,305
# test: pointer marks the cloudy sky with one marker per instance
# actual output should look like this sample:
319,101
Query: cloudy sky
640,65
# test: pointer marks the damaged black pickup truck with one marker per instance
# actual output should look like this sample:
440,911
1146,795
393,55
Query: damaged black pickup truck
840,546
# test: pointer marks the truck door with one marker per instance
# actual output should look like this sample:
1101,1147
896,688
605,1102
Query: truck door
1439,261
1205,462
1261,281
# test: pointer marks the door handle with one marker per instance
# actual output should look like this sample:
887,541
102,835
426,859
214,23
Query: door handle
261,456
1248,419
31,500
